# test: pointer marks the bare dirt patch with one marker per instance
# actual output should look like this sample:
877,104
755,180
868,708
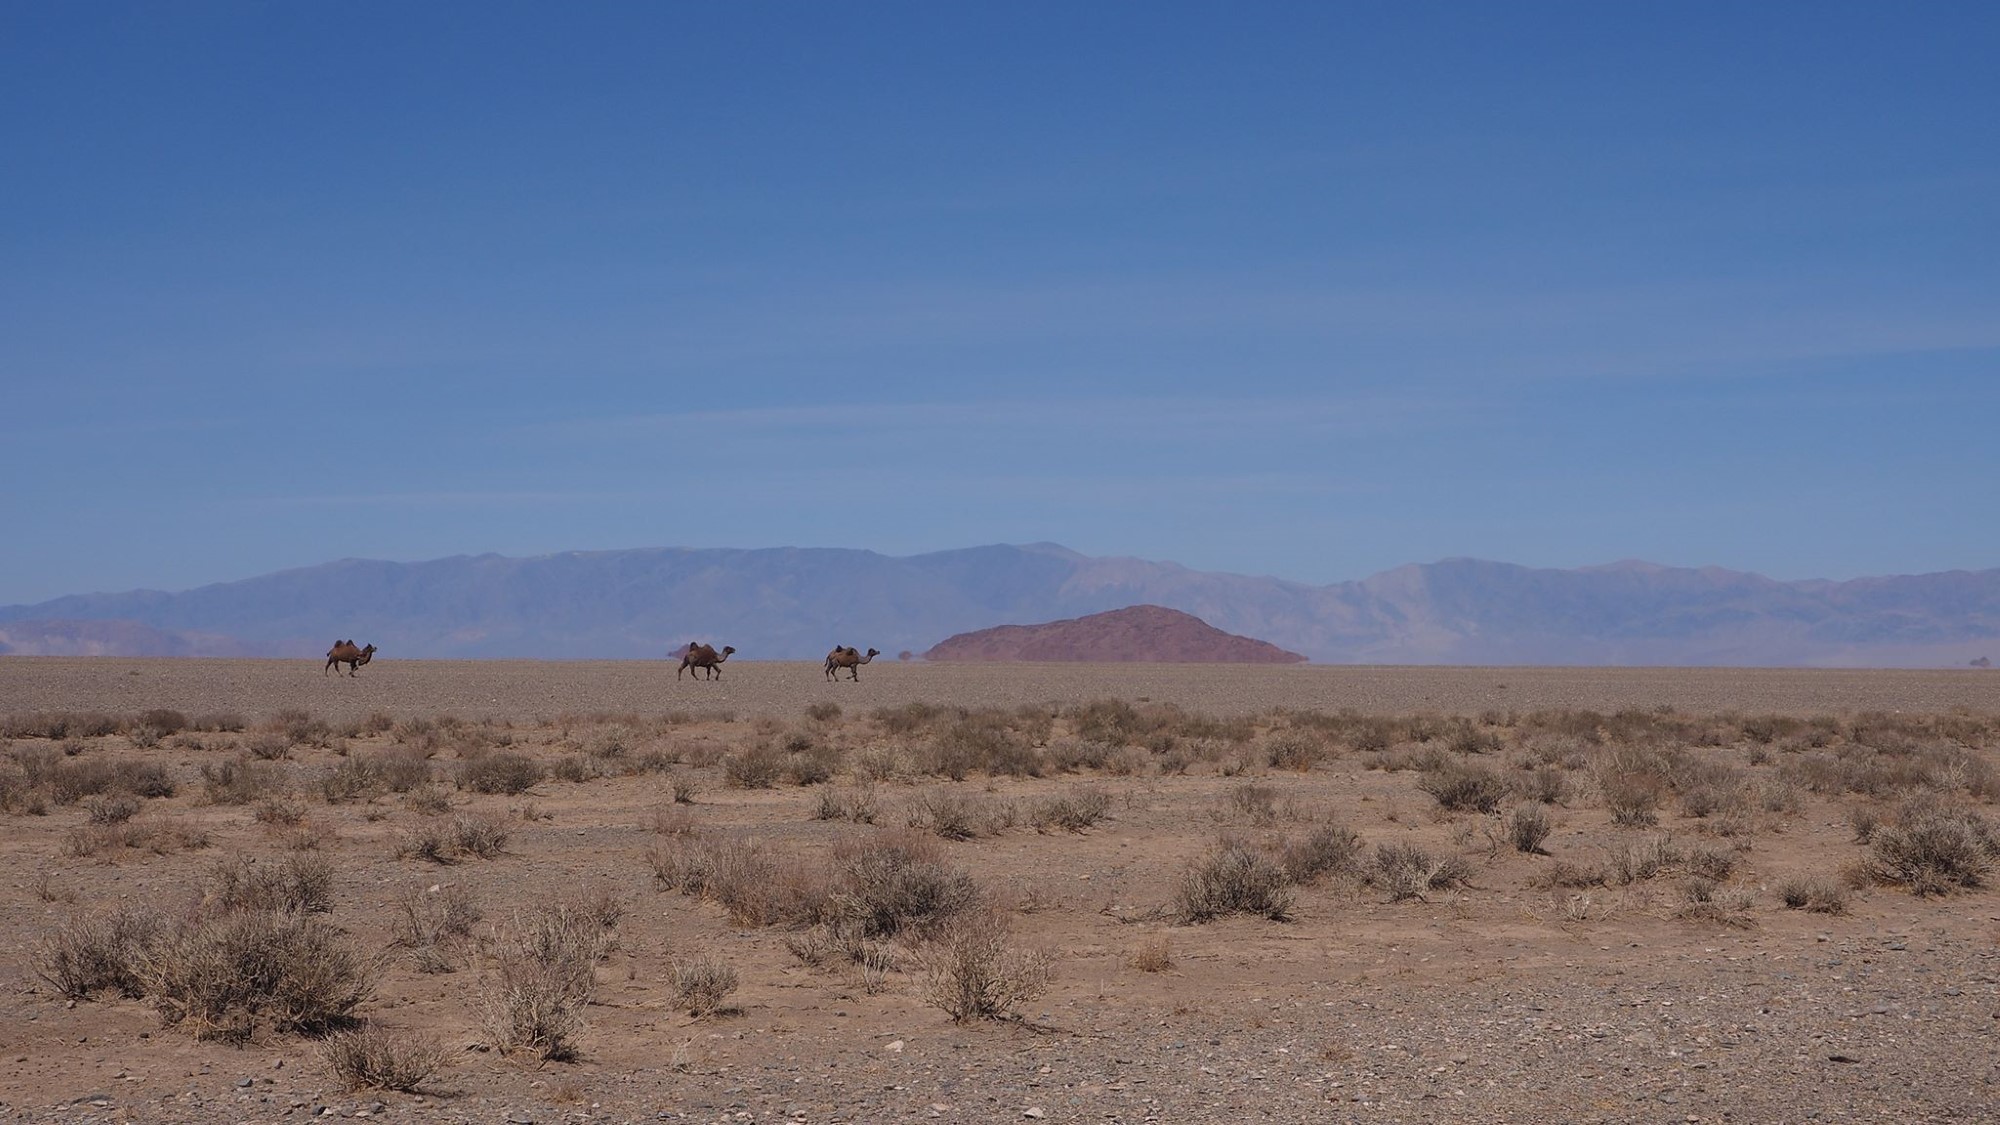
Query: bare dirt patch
577,892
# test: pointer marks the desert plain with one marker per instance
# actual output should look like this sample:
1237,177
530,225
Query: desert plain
548,892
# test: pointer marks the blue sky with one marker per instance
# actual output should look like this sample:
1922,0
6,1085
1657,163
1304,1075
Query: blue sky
1310,290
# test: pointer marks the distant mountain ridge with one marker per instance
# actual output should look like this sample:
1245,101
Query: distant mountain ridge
1140,633
795,603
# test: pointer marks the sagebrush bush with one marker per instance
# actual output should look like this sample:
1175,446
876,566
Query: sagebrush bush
1408,871
951,815
1463,787
375,1058
1526,827
1073,811
1814,893
505,772
1154,955
1233,878
1708,900
297,882
242,781
1293,750
702,984
1328,850
1256,803
972,971
428,920
855,804
543,977
88,952
223,976
897,882
756,768
1932,848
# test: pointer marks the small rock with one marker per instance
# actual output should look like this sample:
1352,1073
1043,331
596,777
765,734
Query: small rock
894,1045
1032,1111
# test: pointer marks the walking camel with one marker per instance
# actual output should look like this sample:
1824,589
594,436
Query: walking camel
704,658
344,652
847,658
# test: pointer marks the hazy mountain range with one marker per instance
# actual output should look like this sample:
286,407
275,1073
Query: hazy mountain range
795,603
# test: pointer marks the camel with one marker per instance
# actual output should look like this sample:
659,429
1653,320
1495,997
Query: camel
702,657
848,658
344,652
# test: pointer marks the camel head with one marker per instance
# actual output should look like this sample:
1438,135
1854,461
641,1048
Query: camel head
727,649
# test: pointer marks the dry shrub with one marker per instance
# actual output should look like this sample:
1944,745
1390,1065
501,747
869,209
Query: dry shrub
1632,796
957,816
1233,878
505,772
1154,955
223,976
897,882
155,834
429,921
241,781
673,820
1564,874
842,941
1070,755
1933,848
754,886
88,952
1328,850
978,741
1707,900
278,811
702,984
375,1058
1636,863
268,746
428,800
58,725
115,808
756,768
397,771
813,765
1408,871
576,769
66,782
442,841
1526,827
1814,893
297,883
1293,750
298,727
542,980
823,712
855,804
1073,811
971,970
1256,803
1464,787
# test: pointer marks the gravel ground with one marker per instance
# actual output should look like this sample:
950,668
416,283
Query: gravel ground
1489,1003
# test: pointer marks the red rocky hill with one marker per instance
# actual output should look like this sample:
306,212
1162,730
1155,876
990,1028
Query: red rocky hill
1136,634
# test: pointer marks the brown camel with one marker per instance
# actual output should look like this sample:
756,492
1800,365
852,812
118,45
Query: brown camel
344,652
704,658
848,658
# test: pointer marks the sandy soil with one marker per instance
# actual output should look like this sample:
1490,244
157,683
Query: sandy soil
1501,999
527,690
